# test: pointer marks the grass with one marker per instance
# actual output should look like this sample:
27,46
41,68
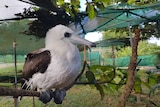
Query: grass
77,96
85,96
9,70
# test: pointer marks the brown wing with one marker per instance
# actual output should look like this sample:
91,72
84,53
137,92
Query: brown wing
36,62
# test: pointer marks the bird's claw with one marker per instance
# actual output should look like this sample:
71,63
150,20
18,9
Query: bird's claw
46,96
59,95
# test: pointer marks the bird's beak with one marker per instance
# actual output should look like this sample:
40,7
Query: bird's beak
79,40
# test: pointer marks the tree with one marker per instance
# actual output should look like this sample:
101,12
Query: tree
114,34
144,48
131,72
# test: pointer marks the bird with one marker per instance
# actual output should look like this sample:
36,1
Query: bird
55,66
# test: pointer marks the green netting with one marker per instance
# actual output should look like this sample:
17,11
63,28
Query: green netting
147,60
13,31
122,15
95,59
10,58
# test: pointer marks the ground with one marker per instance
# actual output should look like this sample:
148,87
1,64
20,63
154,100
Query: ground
86,96
79,96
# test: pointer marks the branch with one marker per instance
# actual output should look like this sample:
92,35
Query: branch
4,91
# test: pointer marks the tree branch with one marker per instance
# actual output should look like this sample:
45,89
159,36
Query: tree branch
4,91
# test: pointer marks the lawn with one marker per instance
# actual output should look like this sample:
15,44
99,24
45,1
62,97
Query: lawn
80,96
85,96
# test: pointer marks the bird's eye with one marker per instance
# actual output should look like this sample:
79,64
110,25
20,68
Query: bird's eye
67,35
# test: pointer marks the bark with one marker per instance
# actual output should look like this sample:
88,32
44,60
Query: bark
4,91
131,72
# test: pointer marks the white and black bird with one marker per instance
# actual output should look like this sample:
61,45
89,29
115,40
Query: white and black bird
56,65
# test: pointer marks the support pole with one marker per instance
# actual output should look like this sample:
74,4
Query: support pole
130,35
15,73
129,30
113,56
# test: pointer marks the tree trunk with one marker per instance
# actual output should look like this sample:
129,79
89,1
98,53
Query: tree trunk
131,72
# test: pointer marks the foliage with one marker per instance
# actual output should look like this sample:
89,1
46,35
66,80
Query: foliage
147,32
105,78
144,79
150,29
114,34
144,48
112,81
153,88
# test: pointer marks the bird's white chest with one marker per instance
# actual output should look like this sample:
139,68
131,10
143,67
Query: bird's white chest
61,72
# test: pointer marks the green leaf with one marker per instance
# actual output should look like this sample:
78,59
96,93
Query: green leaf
75,2
117,79
90,76
152,80
100,89
90,10
145,84
131,1
60,2
137,85
35,8
137,88
94,68
100,5
106,2
103,73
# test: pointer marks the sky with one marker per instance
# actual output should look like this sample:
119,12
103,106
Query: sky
154,40
9,7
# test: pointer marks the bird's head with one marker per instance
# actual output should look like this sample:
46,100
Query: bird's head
61,33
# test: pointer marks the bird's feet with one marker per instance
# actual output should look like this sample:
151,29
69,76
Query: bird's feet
46,96
57,96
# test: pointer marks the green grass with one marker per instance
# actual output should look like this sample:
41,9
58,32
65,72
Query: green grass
10,70
77,96
83,96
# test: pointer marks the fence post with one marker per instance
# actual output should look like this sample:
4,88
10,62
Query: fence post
15,71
